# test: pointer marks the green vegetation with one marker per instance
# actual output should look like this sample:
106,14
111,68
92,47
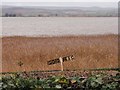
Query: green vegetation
92,82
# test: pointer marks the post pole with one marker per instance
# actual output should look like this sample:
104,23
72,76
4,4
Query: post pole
61,62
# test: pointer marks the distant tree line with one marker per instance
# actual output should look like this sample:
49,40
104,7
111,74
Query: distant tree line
63,15
11,15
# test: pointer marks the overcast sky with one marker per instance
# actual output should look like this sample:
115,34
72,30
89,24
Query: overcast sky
60,0
81,3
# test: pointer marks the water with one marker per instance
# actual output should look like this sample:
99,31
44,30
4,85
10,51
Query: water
35,26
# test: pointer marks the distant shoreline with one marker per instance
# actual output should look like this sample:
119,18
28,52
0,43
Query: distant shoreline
60,36
16,11
59,16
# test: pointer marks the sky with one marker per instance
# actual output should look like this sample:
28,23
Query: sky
60,0
81,3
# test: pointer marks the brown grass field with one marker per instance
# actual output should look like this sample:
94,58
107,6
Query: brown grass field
100,51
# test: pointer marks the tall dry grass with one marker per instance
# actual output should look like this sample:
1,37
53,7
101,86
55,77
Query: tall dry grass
100,51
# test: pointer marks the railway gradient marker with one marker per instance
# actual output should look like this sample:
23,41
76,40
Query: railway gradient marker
60,60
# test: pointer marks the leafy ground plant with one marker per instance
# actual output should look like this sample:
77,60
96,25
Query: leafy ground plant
93,82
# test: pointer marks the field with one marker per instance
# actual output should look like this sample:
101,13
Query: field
100,51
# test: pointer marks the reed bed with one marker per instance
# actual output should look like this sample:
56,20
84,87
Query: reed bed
98,51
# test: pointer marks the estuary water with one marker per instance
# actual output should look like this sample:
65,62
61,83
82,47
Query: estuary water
55,26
